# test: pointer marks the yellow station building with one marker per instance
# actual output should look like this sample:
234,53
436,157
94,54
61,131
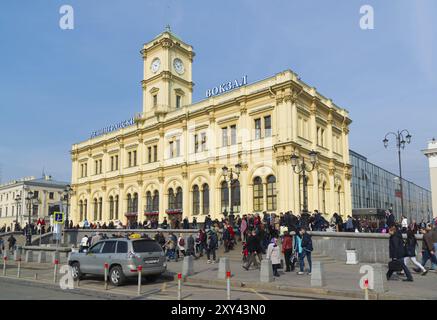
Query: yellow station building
168,161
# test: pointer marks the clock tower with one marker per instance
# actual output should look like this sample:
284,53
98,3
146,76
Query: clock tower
167,81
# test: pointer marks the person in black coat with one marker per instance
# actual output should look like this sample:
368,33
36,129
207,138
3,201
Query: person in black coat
254,249
397,253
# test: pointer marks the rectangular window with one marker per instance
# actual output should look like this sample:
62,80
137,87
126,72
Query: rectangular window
178,148
96,167
257,129
178,101
149,154
196,143
171,149
203,137
129,157
135,158
155,100
51,195
86,169
116,162
155,153
268,126
233,134
36,194
100,166
224,137
112,163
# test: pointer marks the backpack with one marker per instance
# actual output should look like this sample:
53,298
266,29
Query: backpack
182,242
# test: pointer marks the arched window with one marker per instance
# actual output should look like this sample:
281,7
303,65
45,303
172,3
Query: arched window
171,199
116,207
135,203
85,209
205,194
148,201
196,199
225,197
235,196
95,209
271,193
129,203
258,194
111,208
155,206
178,198
100,209
81,210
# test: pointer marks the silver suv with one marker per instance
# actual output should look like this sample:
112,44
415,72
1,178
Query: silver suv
123,257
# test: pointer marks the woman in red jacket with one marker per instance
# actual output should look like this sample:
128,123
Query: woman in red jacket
287,250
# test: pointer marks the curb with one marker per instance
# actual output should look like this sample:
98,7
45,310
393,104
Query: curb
301,290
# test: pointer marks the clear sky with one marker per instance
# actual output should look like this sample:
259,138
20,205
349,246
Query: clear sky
57,86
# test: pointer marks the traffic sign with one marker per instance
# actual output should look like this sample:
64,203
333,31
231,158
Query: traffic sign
58,217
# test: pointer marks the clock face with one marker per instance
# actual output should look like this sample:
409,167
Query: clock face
178,65
155,65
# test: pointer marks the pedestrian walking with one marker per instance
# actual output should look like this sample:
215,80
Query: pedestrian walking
11,243
428,252
254,250
212,242
303,248
410,250
397,254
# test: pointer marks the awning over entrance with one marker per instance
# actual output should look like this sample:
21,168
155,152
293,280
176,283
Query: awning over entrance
174,211
151,213
131,214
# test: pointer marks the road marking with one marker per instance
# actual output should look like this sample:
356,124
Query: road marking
259,294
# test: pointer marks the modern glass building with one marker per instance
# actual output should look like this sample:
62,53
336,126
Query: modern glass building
376,188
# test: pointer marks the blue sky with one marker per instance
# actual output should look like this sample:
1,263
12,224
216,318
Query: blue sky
56,86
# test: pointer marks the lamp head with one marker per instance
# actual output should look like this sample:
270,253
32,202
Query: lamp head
225,171
385,141
294,158
408,138
313,156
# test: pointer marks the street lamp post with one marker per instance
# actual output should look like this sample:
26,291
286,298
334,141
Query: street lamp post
67,194
29,198
17,200
402,137
302,169
228,174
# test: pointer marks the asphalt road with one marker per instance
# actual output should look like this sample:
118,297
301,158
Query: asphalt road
92,289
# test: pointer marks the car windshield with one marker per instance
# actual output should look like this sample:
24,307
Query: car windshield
146,246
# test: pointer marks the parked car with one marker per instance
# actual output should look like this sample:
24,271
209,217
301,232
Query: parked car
123,257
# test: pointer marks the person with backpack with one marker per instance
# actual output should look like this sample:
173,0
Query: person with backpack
212,242
303,248
410,250
190,246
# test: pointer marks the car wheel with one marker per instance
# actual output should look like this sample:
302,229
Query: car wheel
75,271
116,276
152,278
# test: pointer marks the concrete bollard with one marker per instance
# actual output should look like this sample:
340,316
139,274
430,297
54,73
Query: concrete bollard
266,272
224,267
29,256
42,257
17,253
188,266
317,274
379,279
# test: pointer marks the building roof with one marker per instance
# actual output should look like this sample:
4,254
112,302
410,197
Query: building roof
45,181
